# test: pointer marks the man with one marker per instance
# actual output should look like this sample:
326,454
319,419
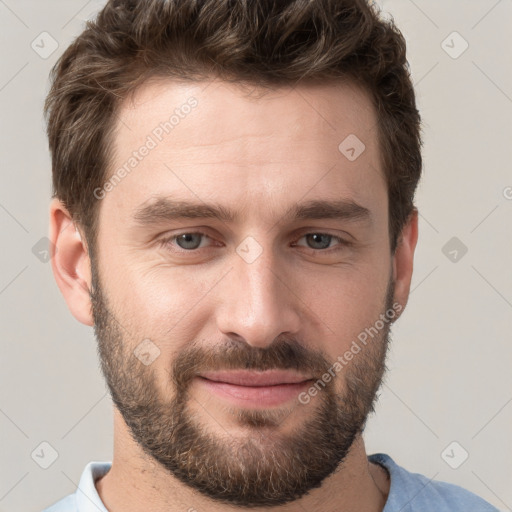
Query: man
233,213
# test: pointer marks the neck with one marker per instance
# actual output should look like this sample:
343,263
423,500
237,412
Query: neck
136,482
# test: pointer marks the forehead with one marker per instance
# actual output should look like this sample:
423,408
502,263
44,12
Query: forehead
235,110
218,141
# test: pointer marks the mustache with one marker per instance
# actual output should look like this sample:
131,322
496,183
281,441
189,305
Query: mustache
283,354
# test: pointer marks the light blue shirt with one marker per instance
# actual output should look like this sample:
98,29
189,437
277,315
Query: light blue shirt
408,492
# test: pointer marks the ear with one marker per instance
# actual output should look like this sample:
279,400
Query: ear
403,259
70,262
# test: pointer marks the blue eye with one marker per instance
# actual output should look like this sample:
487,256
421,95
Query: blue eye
189,241
319,240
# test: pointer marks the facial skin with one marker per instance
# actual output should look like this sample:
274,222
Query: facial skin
294,306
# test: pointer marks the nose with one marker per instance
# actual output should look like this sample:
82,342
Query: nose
257,302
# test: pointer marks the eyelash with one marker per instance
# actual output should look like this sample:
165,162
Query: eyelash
166,242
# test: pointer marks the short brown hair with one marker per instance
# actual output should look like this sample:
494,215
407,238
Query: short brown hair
255,42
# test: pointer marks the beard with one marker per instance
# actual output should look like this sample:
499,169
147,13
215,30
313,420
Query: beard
260,465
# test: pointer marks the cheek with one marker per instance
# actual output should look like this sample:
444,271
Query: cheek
347,305
162,304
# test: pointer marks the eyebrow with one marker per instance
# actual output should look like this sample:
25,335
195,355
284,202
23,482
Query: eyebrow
165,209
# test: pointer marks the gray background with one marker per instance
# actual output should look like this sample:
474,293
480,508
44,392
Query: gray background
450,373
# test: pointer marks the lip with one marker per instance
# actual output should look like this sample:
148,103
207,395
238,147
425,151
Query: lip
257,390
254,378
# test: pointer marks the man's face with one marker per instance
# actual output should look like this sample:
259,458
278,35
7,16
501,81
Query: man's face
285,284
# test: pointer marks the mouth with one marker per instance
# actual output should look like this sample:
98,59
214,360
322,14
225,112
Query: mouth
256,379
255,389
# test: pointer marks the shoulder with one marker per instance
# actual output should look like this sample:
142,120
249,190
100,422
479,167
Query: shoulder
67,504
86,497
413,492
